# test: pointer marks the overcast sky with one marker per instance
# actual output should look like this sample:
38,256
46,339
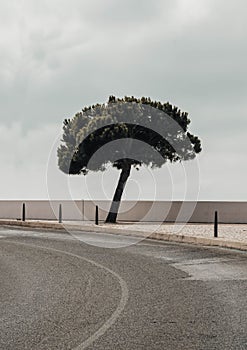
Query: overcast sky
57,56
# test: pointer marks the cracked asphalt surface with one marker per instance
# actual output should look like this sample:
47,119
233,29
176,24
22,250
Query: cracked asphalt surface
57,292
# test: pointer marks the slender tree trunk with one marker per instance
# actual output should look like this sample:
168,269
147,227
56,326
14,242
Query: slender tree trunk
112,215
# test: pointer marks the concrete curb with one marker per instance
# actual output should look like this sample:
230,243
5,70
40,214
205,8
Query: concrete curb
217,242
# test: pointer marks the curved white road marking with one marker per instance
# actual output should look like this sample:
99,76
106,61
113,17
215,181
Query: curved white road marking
122,303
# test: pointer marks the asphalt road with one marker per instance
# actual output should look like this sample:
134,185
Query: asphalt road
57,292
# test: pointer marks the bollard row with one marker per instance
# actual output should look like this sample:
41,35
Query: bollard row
60,217
60,214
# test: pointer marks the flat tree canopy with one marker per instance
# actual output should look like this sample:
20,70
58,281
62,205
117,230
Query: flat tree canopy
117,132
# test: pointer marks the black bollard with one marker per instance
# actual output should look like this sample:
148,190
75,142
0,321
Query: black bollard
60,214
97,215
23,212
216,224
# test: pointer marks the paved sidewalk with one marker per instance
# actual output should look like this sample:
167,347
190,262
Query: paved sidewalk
229,235
229,232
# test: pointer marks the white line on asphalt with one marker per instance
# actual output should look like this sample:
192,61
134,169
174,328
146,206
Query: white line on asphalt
122,303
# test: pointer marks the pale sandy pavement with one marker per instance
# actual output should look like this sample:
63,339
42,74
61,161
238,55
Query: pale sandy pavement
237,232
228,232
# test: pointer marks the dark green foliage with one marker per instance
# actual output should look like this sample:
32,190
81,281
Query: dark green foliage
98,125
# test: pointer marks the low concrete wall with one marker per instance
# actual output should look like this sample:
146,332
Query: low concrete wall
145,211
148,211
41,210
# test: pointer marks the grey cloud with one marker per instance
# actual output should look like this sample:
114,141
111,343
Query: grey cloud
123,13
57,56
